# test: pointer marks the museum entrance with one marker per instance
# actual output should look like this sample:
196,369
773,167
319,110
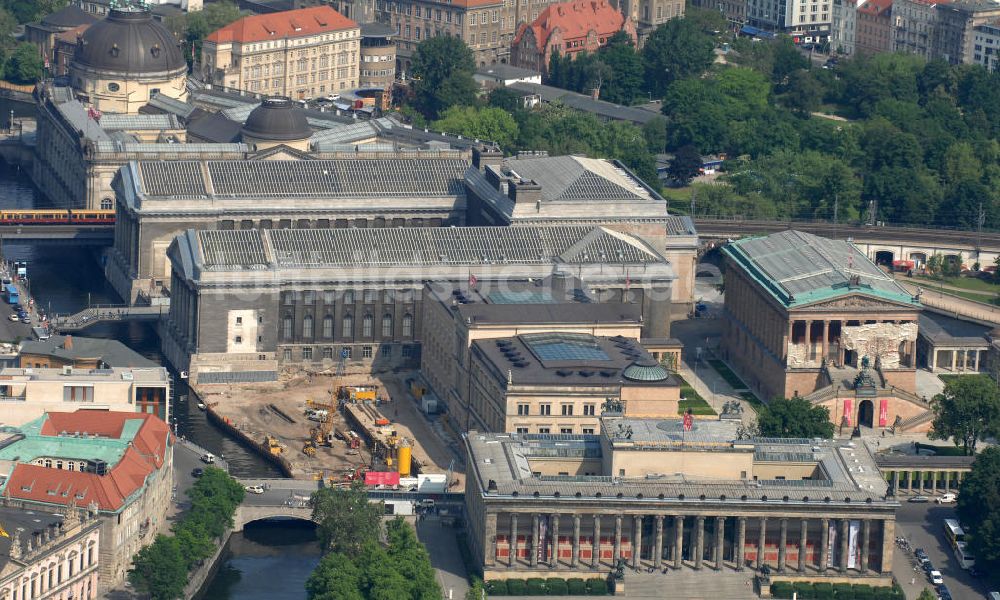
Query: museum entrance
866,414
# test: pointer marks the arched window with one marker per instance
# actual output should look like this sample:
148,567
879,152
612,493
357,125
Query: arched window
107,203
307,326
286,327
407,325
387,325
328,326
348,326
367,324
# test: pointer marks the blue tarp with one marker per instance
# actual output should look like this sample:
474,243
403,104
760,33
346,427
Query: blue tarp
754,31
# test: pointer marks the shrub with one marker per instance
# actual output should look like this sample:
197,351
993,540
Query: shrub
863,592
804,590
497,587
843,591
536,586
597,587
781,590
823,591
883,593
576,587
556,586
516,587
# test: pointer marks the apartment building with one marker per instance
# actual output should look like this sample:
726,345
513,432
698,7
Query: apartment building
301,54
913,24
986,46
875,27
955,28
844,28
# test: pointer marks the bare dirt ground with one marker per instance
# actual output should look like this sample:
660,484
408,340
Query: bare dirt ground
247,406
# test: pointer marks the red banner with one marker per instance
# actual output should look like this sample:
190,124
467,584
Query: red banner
374,478
847,411
883,412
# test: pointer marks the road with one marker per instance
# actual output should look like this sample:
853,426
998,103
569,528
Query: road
922,525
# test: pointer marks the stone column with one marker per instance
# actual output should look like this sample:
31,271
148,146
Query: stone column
720,540
741,542
895,482
491,540
617,554
513,540
920,482
934,354
575,560
782,543
554,559
636,541
595,560
658,546
954,360
866,533
533,559
824,547
678,540
976,360
699,545
809,346
888,544
788,340
826,339
762,540
947,481
845,525
803,543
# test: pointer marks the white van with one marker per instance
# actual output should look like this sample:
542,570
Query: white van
993,596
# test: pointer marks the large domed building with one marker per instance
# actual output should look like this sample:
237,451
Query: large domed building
126,59
277,121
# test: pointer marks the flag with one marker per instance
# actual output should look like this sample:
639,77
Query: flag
688,421
628,280
472,280
93,113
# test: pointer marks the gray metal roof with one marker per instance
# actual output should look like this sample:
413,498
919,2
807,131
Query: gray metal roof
112,352
428,177
171,105
166,148
585,103
345,134
942,330
113,121
799,268
313,248
578,178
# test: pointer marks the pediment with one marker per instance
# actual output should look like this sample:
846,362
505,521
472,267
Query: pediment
859,302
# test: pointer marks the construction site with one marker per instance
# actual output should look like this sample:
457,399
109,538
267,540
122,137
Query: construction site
339,427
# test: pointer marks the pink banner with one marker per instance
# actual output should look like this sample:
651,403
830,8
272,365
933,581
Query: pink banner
883,412
847,411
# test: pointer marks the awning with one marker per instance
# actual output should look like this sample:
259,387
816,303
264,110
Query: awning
757,32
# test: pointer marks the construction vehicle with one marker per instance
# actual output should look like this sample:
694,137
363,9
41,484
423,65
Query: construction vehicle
357,393
309,449
273,445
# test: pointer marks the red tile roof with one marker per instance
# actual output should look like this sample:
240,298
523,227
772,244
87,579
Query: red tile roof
287,24
876,7
144,456
575,19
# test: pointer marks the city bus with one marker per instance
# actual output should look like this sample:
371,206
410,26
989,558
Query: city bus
954,532
965,558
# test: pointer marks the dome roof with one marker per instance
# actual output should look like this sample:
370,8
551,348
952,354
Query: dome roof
277,118
645,370
129,41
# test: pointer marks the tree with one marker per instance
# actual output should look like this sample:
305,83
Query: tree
28,11
336,577
979,509
968,410
927,594
506,99
794,417
347,521
685,165
490,123
194,27
787,60
625,67
676,50
655,132
805,94
160,569
476,591
25,65
442,69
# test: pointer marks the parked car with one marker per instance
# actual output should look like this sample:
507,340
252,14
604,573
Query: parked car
921,555
943,592
928,567
919,499
208,459
948,498
254,489
936,578
26,319
197,472
13,317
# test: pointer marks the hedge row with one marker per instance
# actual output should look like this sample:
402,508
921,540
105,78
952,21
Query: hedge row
553,586
783,590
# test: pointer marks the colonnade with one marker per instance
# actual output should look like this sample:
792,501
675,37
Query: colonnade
920,481
533,540
829,338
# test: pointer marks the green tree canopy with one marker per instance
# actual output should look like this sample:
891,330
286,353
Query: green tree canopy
678,49
25,64
979,509
624,86
443,68
967,411
794,417
160,569
489,123
194,27
28,11
685,165
347,521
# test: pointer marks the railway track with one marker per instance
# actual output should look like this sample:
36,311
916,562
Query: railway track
724,228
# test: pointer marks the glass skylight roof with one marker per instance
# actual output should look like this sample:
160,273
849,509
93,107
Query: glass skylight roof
565,347
520,297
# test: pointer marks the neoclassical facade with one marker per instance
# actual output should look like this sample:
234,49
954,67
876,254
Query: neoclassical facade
654,495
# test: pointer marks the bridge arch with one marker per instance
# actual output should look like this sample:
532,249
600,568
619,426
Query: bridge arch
249,514
884,257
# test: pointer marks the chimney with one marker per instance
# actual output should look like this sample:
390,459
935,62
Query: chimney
483,155
68,342
524,191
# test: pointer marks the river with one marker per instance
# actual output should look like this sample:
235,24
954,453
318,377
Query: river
264,557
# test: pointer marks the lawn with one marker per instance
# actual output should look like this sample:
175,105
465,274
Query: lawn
941,450
693,400
948,378
969,295
753,400
731,378
678,199
966,283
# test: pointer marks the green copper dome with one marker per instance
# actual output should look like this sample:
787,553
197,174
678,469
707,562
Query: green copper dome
645,370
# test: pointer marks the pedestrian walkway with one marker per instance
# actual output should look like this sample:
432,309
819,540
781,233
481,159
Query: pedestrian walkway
686,583
446,556
713,387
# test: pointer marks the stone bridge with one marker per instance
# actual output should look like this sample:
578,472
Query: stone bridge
282,498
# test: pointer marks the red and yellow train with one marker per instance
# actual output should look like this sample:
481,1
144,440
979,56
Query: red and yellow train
57,216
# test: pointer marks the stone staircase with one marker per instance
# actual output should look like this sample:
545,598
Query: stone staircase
691,585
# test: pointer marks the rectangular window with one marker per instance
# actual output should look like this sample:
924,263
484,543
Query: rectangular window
567,410
328,353
589,409
239,339
366,352
523,409
286,354
522,430
369,296
239,320
588,431
349,297
307,353
545,409
565,430
328,298
78,393
386,351
407,351
543,430
346,352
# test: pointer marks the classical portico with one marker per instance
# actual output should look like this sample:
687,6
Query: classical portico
803,307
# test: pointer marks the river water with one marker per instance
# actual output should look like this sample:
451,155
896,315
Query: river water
268,560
